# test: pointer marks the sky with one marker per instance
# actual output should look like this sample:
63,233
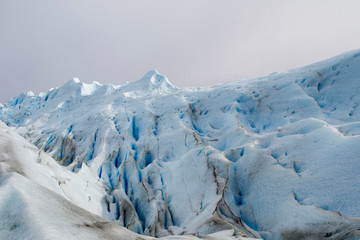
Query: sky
44,44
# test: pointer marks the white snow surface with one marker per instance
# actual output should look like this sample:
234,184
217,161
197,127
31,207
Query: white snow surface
38,196
275,157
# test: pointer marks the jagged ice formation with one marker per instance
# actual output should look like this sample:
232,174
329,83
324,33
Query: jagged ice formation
273,157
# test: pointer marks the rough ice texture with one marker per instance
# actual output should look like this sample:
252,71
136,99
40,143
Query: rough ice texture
39,199
276,157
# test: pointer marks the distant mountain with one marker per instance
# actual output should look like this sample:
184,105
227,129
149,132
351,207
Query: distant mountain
275,157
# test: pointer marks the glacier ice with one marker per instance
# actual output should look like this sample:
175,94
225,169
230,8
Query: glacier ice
273,157
42,200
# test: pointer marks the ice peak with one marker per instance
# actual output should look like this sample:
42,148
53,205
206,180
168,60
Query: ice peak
152,82
76,80
151,73
155,78
20,98
73,81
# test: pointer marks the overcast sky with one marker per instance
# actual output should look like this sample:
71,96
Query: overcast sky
43,43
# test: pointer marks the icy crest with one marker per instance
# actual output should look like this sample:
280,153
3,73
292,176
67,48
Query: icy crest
152,83
78,88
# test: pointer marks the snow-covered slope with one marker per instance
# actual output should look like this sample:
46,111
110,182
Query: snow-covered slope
37,198
277,155
36,195
20,156
30,211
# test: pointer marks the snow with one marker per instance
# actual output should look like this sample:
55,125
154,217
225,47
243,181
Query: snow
25,215
18,155
152,83
38,196
275,157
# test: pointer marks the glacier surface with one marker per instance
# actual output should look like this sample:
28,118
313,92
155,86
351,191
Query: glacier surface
275,157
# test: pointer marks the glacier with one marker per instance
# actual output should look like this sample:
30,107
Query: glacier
276,157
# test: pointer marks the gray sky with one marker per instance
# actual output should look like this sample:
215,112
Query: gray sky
45,43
